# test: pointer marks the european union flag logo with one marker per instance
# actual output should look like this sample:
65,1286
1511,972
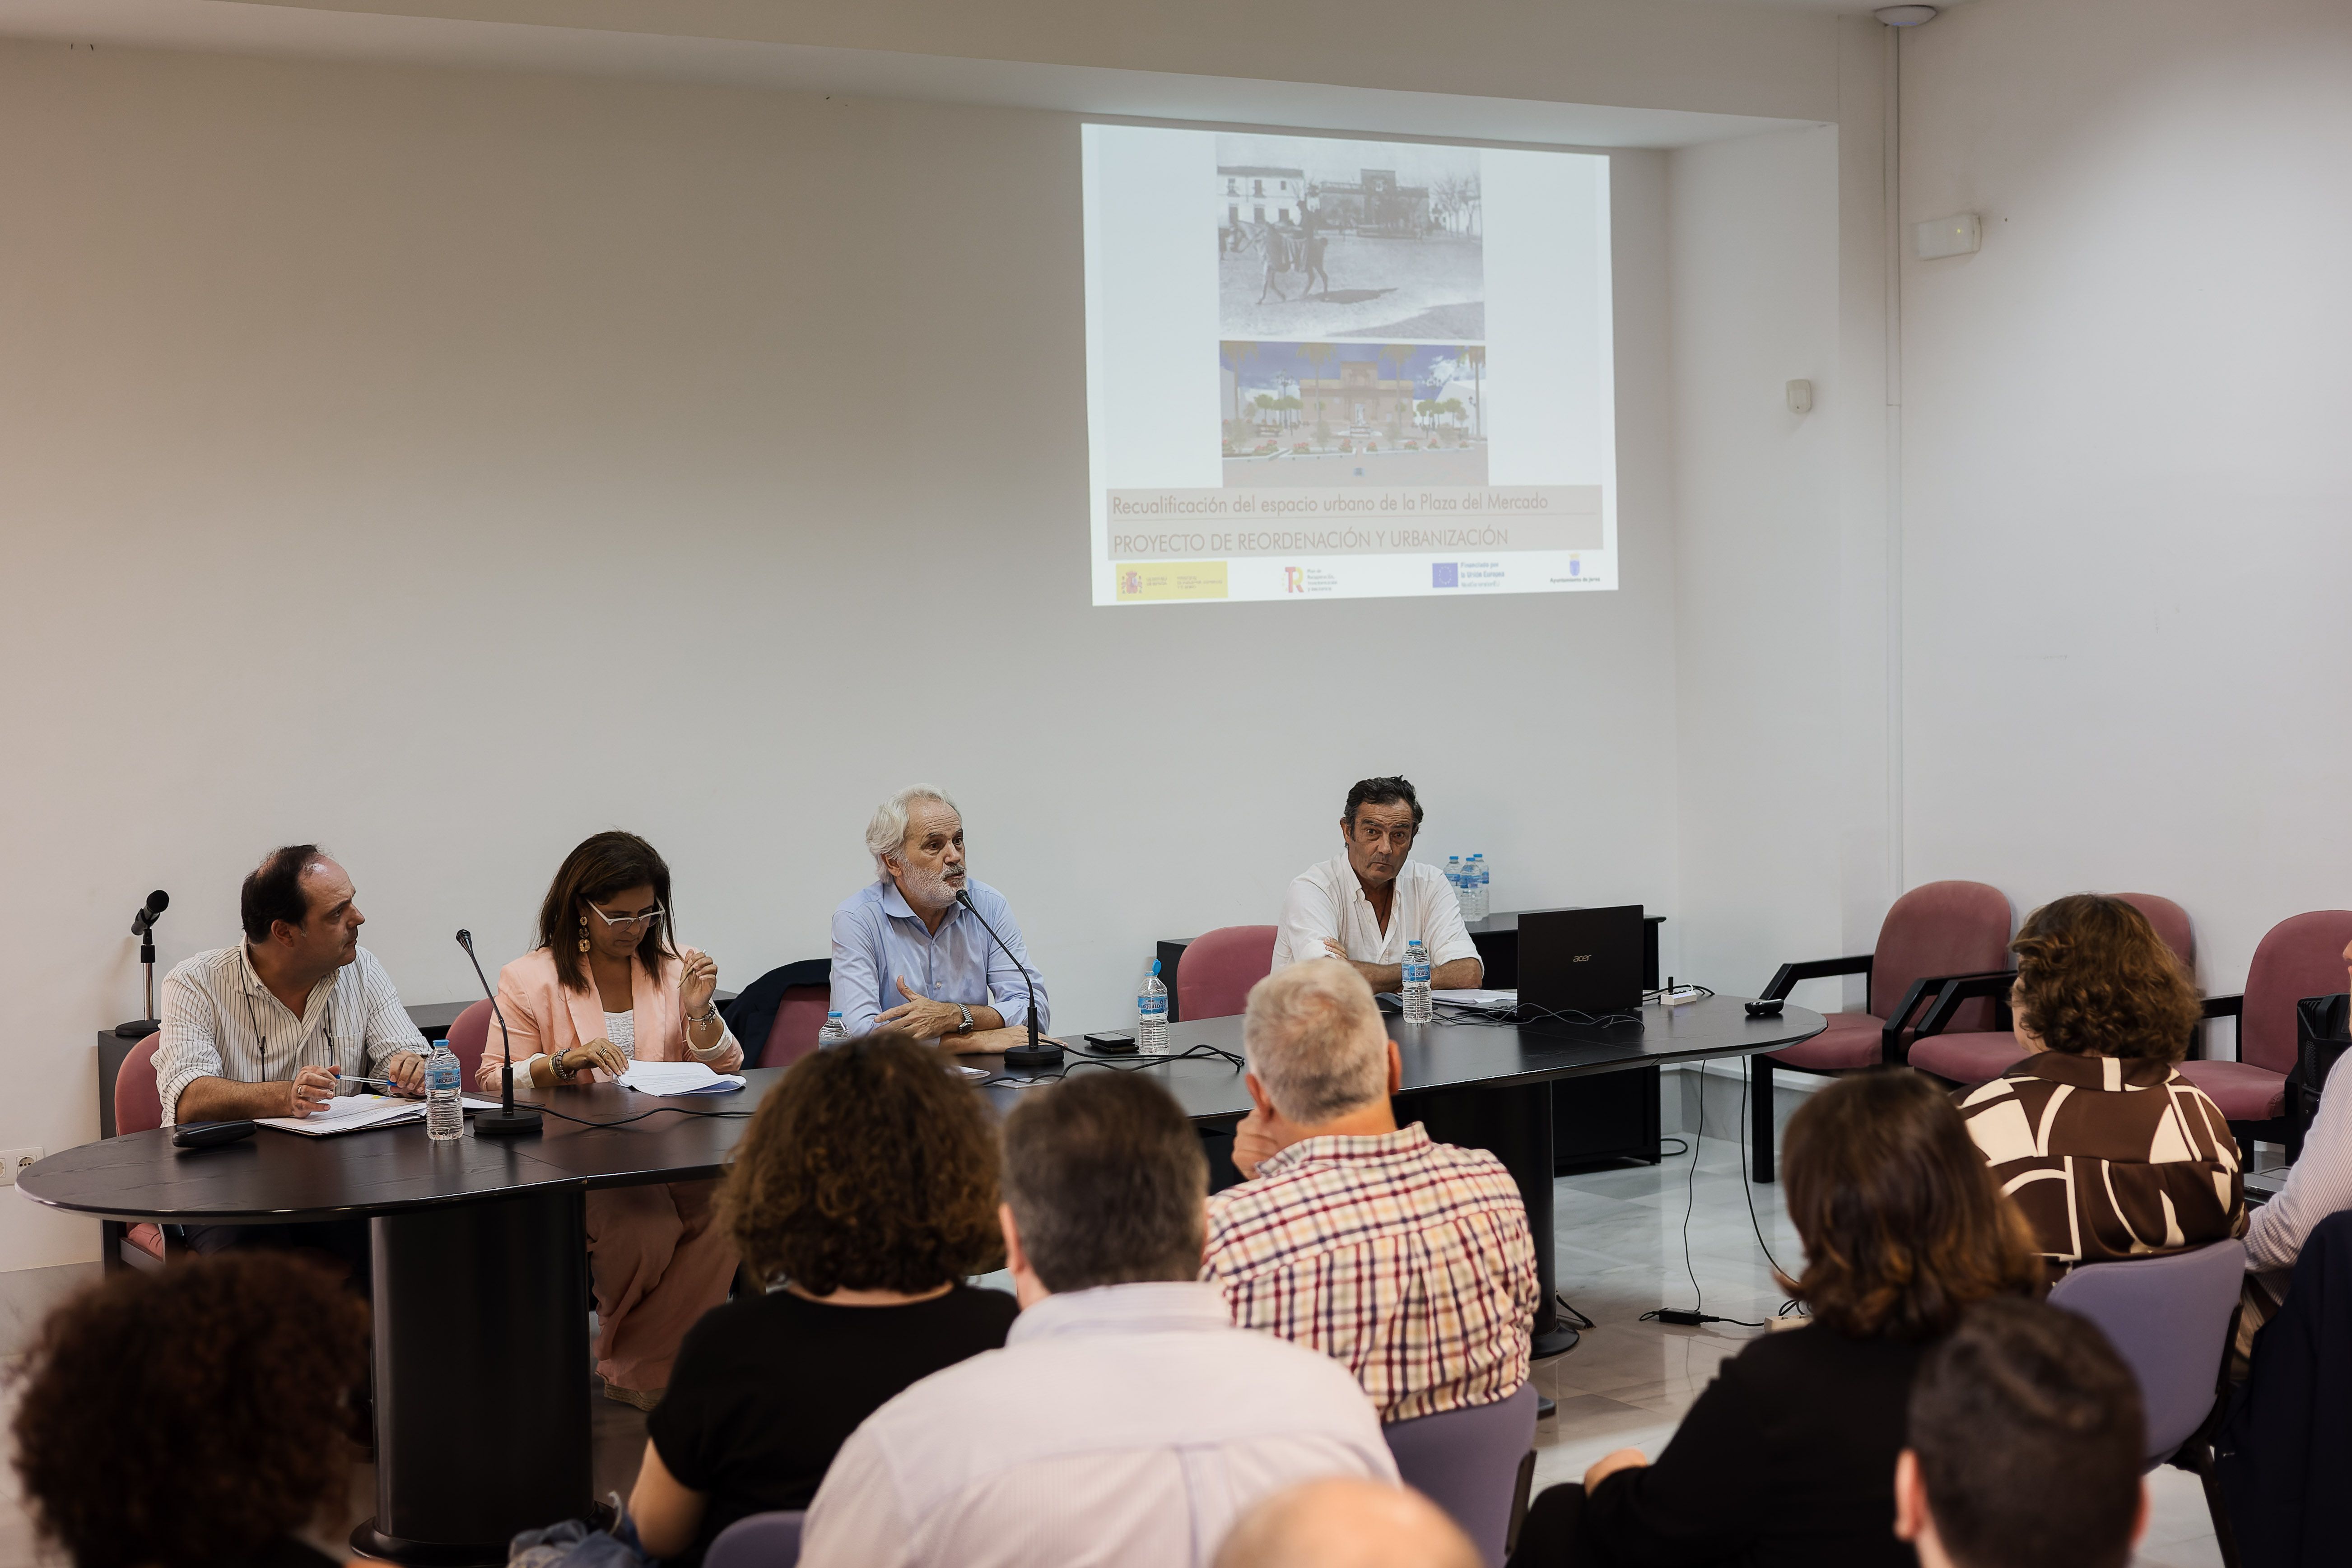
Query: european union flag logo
1445,574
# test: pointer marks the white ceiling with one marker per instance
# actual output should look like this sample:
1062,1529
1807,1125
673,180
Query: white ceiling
297,31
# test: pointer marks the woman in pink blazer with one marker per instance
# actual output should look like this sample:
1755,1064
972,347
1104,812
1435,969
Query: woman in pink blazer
604,985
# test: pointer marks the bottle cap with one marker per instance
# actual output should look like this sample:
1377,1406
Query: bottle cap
833,1014
1155,966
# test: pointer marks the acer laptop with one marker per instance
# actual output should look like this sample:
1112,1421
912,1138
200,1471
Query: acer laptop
1581,960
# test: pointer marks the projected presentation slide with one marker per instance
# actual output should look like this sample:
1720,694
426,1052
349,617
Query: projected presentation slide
1322,367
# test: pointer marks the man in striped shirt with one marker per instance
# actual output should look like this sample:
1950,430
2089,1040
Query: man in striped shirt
1406,1259
268,1027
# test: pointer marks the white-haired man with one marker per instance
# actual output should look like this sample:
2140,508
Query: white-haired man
907,955
1407,1259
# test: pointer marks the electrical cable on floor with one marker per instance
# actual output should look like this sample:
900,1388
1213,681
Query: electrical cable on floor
1680,1147
1696,1315
1746,1186
1581,1321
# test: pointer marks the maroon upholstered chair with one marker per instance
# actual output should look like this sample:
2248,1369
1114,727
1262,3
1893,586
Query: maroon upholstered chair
2300,956
1218,969
1971,1057
799,1014
469,1037
1930,934
138,1107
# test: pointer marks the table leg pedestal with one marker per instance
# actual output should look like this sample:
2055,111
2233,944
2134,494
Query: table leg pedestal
1513,1124
481,1378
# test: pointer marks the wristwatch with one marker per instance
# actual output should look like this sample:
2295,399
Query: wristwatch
964,1027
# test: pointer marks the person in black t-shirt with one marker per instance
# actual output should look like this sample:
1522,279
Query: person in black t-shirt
864,1192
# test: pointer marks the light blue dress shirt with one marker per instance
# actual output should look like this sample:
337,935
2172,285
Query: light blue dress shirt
877,940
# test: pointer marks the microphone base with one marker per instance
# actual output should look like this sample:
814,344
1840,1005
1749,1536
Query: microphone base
516,1123
1032,1056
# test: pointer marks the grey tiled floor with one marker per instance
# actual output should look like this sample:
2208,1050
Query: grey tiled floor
1619,1234
1619,1239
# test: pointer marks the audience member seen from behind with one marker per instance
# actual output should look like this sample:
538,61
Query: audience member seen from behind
281,1024
1406,1260
2106,1149
603,987
1126,1420
2318,1183
1370,902
1347,1523
908,956
1787,1458
194,1417
2026,1445
865,1189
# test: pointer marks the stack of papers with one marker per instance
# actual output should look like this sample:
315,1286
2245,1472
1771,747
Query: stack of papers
678,1077
1480,1001
351,1112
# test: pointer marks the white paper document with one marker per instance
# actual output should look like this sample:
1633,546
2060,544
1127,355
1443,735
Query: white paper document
678,1077
351,1112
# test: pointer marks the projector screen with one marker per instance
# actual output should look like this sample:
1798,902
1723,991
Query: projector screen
1324,367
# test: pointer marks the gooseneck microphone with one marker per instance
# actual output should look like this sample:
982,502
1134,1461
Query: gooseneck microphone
506,1121
1035,1054
142,926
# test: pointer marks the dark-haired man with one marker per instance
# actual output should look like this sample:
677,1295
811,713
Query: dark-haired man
1126,1420
1369,904
2026,1445
269,1027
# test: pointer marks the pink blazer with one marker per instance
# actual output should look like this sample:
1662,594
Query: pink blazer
542,1018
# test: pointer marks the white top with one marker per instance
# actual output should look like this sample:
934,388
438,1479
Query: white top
220,1021
2318,1183
621,1029
1126,1425
1328,901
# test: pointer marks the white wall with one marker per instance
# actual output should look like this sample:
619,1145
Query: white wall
446,465
2127,479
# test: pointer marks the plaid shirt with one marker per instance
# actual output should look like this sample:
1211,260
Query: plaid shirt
1407,1259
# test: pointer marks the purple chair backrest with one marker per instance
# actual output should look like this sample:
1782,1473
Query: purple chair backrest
138,1103
469,1037
799,1013
2171,923
1940,928
2300,957
1467,1463
762,1541
1214,977
2169,1318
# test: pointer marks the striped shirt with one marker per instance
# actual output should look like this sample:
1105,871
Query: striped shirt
2108,1157
1406,1259
220,1021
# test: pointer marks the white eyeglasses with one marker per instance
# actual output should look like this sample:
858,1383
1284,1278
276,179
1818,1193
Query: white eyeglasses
637,922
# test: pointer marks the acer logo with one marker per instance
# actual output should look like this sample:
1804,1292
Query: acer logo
1579,958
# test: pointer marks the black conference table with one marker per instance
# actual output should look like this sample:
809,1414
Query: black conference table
481,1336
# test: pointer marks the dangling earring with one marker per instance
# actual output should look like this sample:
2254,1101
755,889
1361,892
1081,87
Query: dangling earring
584,934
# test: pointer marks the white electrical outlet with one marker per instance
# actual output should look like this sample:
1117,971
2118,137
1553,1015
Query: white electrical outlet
13,1161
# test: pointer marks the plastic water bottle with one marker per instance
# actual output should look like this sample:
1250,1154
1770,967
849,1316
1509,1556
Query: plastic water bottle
1151,1013
834,1032
1418,1008
1479,899
445,1108
1454,881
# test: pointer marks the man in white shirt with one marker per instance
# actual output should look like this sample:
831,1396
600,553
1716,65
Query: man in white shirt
1126,1420
1369,904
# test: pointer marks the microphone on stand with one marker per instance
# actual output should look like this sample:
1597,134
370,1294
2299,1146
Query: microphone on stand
1035,1054
506,1121
142,926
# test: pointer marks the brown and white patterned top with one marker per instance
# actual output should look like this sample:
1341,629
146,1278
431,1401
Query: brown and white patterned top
2108,1158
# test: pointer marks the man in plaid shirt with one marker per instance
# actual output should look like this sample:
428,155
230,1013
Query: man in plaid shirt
1405,1258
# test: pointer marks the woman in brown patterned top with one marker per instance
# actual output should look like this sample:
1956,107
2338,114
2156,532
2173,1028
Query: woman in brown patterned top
2107,1150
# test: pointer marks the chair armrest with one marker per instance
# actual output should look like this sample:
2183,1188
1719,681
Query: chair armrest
1962,988
2223,1008
1812,969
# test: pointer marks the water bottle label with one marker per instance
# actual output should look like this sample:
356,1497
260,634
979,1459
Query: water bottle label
441,1076
1151,1007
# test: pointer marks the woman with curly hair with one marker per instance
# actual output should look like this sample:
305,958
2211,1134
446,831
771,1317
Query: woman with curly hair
196,1416
2107,1150
1787,1459
863,1193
